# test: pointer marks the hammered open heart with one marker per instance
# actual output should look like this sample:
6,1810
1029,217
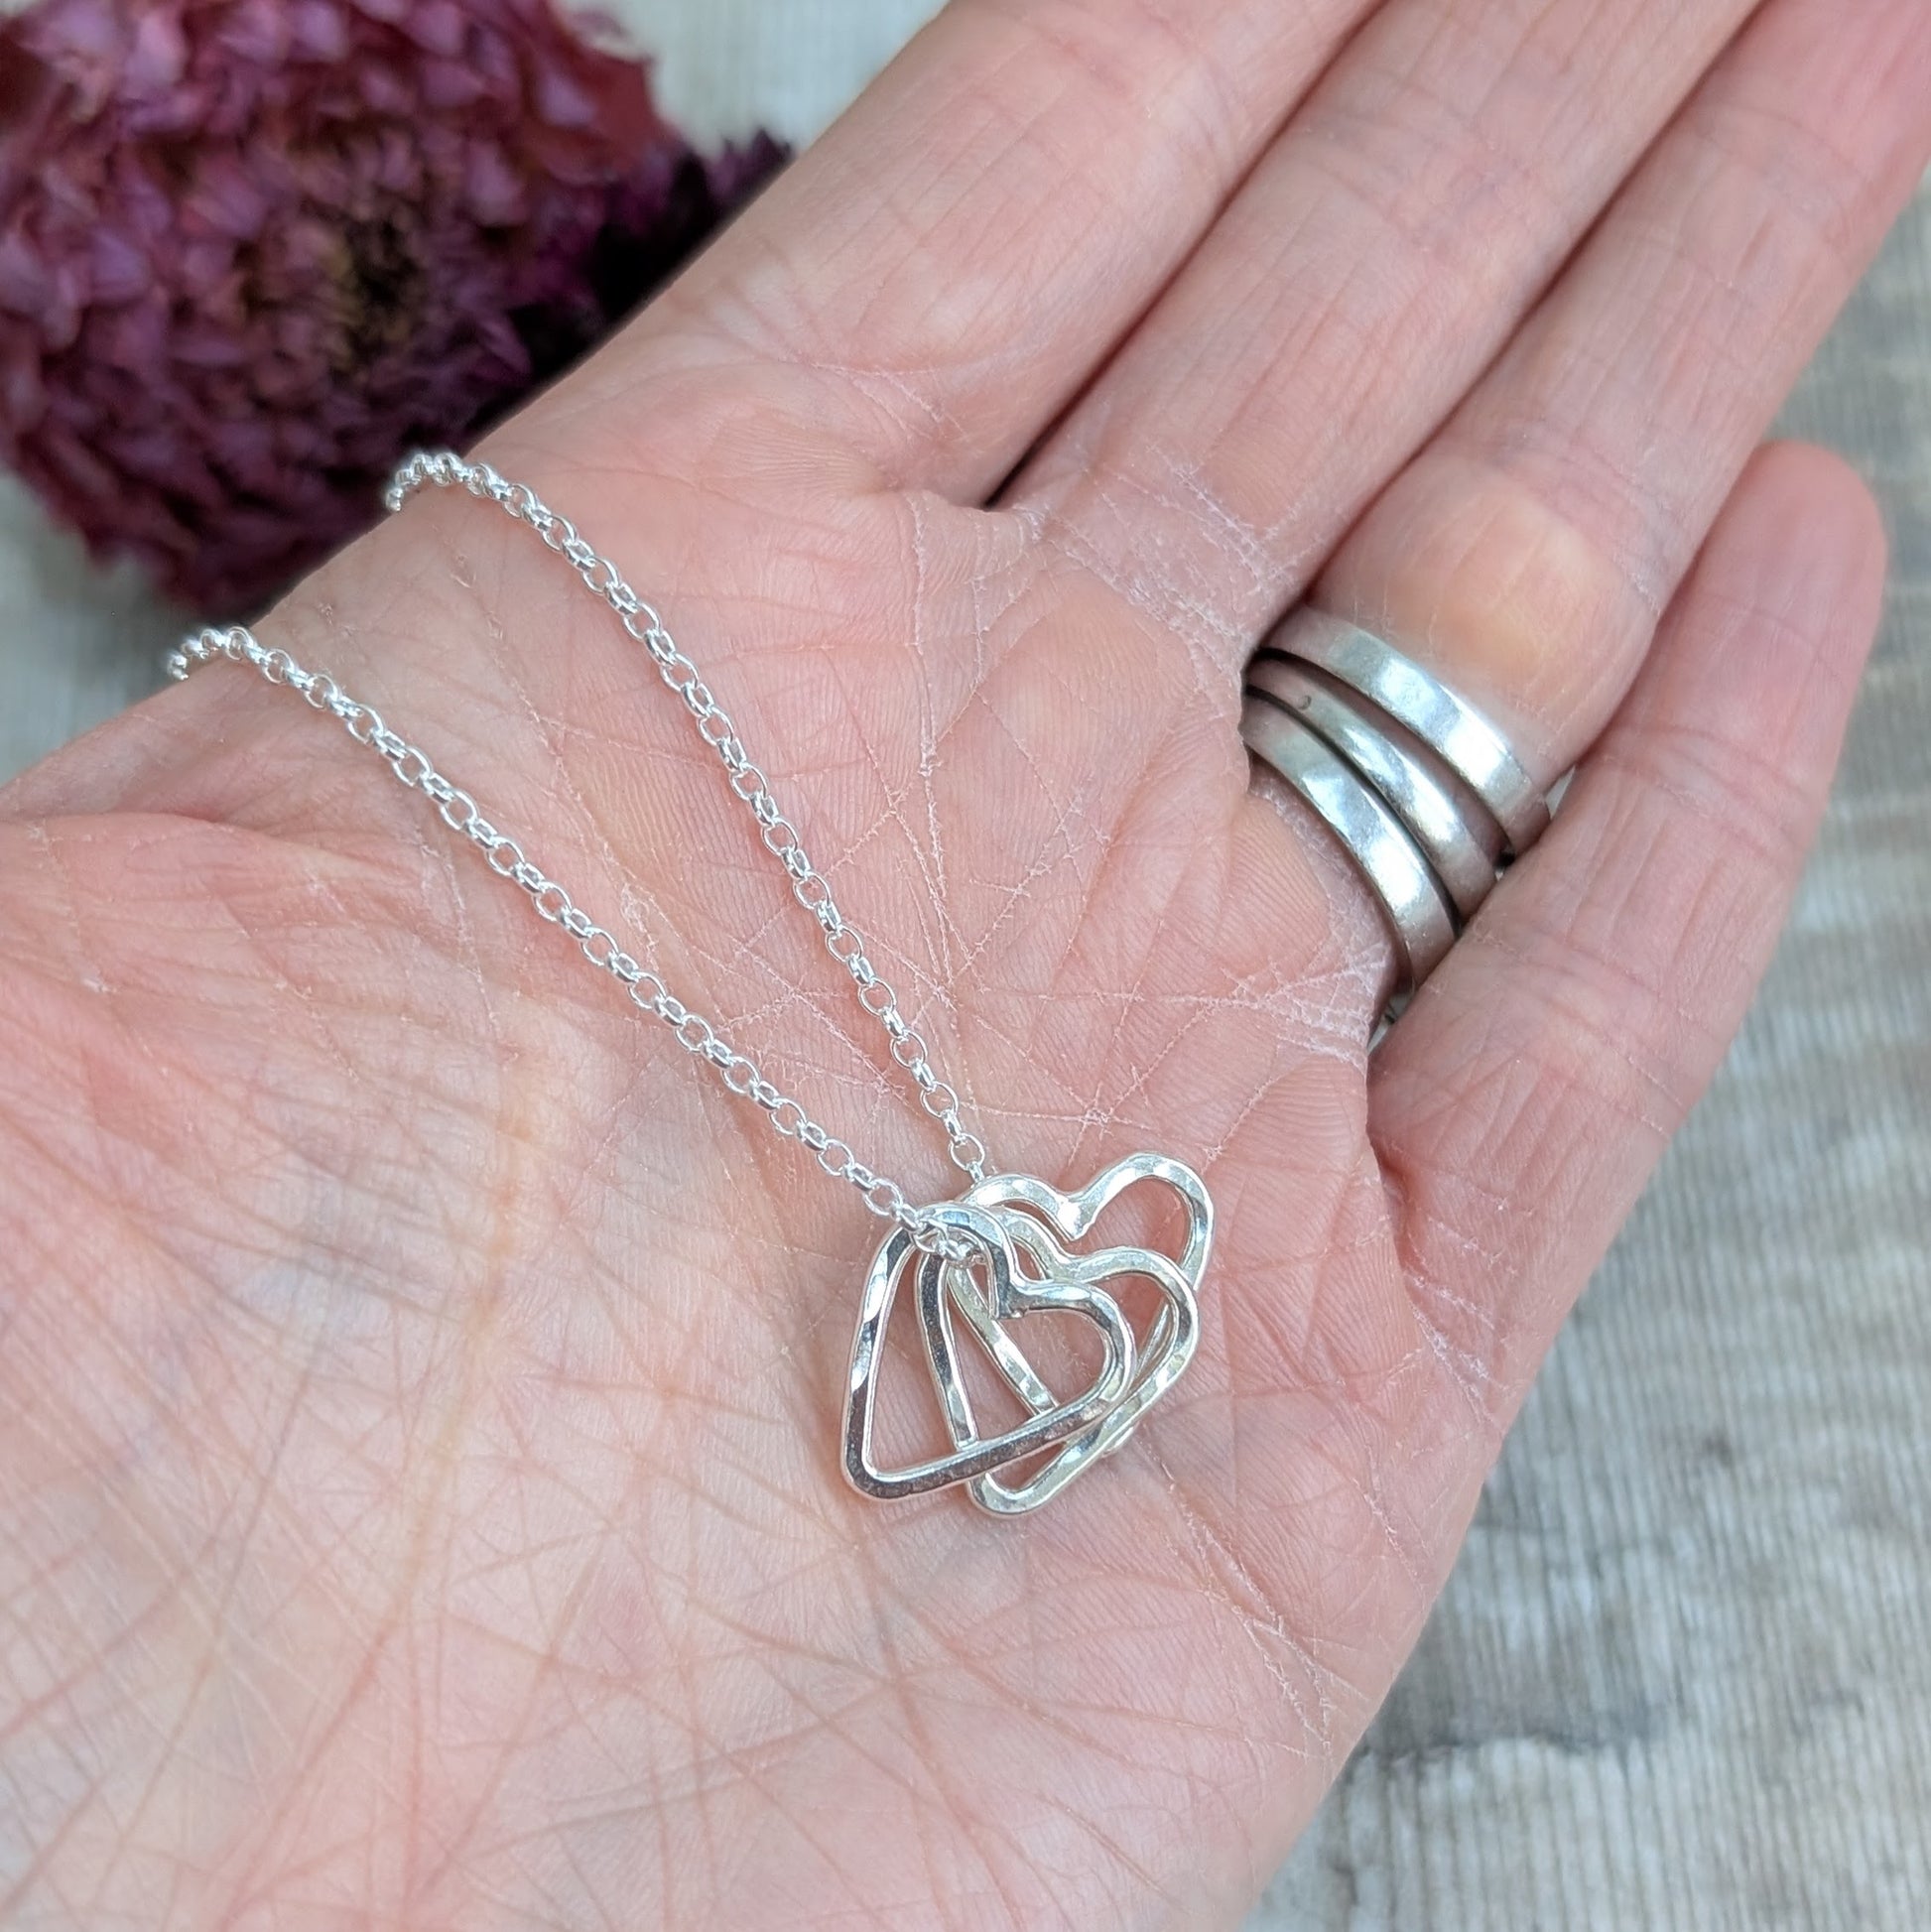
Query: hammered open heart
1022,1204
1009,1294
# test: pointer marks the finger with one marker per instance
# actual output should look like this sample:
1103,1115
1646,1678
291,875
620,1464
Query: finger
938,275
1278,451
1521,1102
1370,267
1527,555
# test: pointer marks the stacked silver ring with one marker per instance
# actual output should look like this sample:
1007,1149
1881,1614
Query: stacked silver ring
1423,792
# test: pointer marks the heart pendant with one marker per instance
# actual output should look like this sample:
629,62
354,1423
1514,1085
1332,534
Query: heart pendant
1170,1341
1009,1294
1017,1222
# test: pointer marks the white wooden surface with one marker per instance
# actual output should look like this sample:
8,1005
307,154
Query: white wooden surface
1682,1677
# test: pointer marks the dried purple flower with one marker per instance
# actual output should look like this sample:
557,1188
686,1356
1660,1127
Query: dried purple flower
252,250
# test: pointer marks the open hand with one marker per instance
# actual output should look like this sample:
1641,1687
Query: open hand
419,1490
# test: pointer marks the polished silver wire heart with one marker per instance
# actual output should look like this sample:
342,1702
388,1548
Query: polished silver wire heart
1027,1208
1017,1226
1009,1294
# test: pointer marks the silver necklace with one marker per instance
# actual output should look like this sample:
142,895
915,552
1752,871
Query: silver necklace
1003,1250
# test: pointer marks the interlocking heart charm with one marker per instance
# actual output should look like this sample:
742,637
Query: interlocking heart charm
1019,1229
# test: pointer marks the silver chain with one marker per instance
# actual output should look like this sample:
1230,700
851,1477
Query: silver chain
460,813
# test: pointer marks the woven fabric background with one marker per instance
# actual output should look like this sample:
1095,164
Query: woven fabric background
1682,1676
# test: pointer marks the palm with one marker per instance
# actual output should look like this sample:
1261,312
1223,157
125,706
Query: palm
422,1380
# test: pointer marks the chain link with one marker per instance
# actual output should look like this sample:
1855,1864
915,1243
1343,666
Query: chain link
505,856
446,470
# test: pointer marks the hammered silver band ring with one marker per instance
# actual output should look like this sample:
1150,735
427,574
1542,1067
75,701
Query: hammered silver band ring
1424,794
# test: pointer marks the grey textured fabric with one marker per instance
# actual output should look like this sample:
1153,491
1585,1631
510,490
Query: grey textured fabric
1682,1677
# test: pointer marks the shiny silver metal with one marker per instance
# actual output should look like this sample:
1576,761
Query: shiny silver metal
1008,1294
1418,910
1464,740
1030,1208
1014,1219
1001,1219
1459,840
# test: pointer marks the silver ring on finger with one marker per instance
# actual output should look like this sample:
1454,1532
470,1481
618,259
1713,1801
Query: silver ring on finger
1424,794
1419,913
1460,840
1415,698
